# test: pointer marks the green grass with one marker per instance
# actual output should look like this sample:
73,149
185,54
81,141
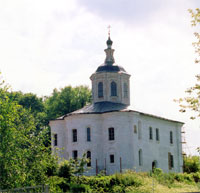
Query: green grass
133,182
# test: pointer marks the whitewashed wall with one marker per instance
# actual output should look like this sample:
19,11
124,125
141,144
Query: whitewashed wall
126,144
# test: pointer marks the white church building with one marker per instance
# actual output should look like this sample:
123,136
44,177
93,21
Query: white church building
113,136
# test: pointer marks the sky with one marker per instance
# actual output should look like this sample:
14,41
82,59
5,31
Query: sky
52,44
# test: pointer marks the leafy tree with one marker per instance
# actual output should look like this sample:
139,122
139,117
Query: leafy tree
191,164
66,100
24,159
192,100
33,103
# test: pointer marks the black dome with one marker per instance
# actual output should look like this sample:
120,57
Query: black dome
110,68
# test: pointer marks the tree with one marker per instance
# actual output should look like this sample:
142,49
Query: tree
66,100
192,100
24,159
191,164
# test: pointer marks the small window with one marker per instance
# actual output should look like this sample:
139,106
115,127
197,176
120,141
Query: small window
170,161
88,134
113,87
171,137
74,135
100,89
112,158
55,138
135,129
89,157
75,154
111,134
157,134
125,90
150,133
140,157
139,130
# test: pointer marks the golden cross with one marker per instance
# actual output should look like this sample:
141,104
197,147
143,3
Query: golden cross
109,30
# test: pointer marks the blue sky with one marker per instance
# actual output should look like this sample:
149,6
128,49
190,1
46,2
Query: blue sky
50,44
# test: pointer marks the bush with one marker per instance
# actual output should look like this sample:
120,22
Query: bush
97,183
191,164
76,188
54,182
196,177
65,170
117,189
127,179
163,178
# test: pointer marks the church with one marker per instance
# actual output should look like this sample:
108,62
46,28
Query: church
114,137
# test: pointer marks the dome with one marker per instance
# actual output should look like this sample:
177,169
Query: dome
110,68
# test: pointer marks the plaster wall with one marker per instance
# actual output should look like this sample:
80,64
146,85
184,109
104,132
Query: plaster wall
126,144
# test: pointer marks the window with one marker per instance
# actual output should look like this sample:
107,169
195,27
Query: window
139,130
113,86
111,134
75,154
157,134
55,138
100,89
140,157
150,133
135,129
170,161
74,135
89,157
88,134
125,90
171,137
112,158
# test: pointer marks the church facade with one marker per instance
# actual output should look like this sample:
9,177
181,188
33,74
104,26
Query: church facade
113,136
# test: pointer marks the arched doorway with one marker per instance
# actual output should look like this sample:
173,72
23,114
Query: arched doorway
154,164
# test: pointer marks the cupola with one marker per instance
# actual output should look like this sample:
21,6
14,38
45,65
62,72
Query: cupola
110,82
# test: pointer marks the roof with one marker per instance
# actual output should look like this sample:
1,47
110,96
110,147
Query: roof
107,107
110,68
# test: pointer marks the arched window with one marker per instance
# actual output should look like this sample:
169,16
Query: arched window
170,161
74,135
125,90
140,157
135,128
88,134
150,133
139,130
100,89
171,137
157,134
113,87
89,158
75,154
111,134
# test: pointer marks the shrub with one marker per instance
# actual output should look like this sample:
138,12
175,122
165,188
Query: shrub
127,179
76,188
54,182
196,177
117,189
65,170
191,164
97,183
163,178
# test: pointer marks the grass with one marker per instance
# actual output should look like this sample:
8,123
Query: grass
132,182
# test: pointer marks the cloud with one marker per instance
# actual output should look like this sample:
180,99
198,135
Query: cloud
50,44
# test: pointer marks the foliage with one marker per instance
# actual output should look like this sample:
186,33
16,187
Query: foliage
163,178
191,164
76,188
24,158
66,100
192,100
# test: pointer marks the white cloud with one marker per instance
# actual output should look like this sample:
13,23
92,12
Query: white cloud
51,44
